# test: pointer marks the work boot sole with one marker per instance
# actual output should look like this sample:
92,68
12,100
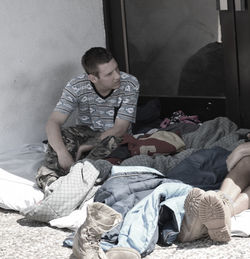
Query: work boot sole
214,215
192,228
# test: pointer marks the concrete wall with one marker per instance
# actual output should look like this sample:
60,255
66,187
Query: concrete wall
41,44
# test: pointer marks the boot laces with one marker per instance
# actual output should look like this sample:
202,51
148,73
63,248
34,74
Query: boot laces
92,240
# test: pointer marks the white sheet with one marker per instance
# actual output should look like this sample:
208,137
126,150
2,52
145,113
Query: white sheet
17,193
74,220
241,224
18,167
23,161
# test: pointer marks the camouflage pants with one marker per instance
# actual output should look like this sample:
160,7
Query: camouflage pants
73,137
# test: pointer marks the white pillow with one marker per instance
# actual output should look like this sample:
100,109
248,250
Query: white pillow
17,193
74,220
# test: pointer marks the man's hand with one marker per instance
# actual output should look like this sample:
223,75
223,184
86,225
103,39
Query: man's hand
118,130
237,154
53,129
65,160
83,148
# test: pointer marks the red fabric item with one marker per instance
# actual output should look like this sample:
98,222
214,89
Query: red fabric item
154,143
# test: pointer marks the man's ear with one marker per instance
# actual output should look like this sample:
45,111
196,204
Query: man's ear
92,78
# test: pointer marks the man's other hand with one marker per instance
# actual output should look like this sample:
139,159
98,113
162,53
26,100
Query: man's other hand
82,149
65,160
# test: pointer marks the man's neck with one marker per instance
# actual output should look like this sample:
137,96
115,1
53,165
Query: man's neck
102,93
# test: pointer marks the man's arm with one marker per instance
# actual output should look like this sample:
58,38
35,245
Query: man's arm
126,113
118,130
53,130
237,154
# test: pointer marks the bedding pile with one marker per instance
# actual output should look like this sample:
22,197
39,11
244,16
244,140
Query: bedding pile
148,188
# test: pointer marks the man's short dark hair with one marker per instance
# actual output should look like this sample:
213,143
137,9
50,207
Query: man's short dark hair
94,57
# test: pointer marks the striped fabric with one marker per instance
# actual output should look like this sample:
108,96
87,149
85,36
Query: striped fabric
94,111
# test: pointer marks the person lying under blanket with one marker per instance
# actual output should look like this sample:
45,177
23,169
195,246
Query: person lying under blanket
209,213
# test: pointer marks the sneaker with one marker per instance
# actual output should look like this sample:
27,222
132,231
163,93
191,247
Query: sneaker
191,227
215,214
122,253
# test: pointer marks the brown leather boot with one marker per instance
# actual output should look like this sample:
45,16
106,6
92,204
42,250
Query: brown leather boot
123,253
215,214
100,219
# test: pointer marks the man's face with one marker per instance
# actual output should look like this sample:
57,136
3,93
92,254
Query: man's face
108,76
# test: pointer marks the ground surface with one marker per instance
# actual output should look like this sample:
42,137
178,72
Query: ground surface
24,239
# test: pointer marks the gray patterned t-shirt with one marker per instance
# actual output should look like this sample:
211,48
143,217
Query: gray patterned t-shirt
98,112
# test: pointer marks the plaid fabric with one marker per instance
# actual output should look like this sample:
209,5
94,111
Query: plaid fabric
66,194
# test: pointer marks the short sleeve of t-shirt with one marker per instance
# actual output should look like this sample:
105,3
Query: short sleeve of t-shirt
69,98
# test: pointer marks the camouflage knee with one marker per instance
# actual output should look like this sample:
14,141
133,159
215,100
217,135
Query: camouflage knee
72,137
